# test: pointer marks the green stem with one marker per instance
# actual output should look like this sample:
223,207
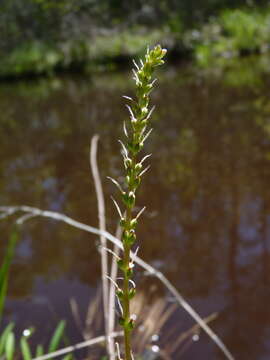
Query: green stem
137,134
126,300
126,310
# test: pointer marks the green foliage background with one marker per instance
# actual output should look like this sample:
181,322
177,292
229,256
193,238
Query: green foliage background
41,36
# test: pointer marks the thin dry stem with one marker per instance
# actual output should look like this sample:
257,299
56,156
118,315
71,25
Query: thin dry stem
114,268
102,226
78,346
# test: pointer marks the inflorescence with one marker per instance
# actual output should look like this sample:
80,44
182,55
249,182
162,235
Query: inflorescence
136,134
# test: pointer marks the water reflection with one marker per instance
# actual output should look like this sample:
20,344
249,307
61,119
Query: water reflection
207,226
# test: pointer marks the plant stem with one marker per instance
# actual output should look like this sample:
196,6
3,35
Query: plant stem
136,133
126,310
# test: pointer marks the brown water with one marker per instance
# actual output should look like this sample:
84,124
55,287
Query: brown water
207,222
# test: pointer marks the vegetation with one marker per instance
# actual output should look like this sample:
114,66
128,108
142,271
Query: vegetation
44,36
136,135
36,58
4,270
232,34
8,344
140,114
9,348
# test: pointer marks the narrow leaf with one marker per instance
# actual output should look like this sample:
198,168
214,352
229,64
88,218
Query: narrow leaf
146,136
68,357
125,129
57,336
8,329
136,65
5,267
10,346
117,207
144,170
124,149
144,158
140,212
115,183
39,351
25,349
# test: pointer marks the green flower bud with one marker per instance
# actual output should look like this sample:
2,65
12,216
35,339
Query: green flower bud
128,163
144,111
138,168
120,294
129,273
134,123
164,52
133,223
121,265
128,199
129,237
157,52
132,293
121,321
128,179
130,325
137,182
123,223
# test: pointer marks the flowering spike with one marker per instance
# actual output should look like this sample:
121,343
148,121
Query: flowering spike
138,132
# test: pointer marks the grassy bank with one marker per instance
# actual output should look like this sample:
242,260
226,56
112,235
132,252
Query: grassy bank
85,54
231,34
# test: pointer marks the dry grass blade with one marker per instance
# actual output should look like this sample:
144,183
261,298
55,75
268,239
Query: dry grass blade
93,321
76,314
113,276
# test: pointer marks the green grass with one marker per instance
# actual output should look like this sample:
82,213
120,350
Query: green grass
232,34
4,270
36,58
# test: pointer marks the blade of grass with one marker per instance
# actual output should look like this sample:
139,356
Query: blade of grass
57,336
5,267
10,346
25,348
39,351
3,338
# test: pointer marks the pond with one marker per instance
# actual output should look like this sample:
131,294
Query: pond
206,225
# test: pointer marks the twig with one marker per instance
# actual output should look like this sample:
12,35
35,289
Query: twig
116,250
179,298
102,226
78,346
